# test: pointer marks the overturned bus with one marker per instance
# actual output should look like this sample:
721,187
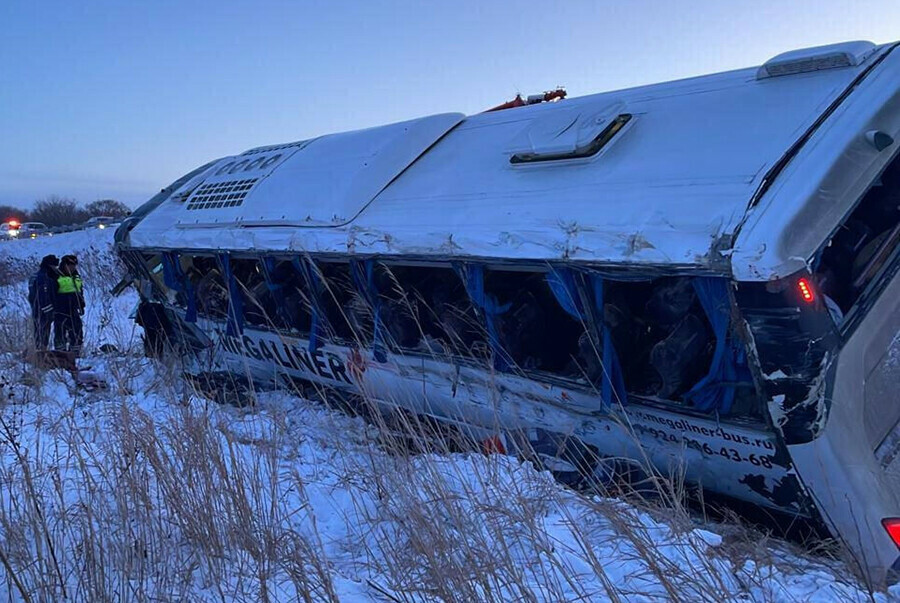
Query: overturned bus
700,273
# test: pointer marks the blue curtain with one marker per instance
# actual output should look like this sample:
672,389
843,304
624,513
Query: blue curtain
311,276
613,386
177,280
363,274
716,390
472,276
565,289
235,323
564,284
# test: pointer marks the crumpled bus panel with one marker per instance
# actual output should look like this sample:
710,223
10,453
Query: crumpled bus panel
733,460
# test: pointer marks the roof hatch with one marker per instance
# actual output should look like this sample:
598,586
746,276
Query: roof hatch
805,60
570,134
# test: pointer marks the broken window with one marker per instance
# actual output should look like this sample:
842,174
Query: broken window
676,342
285,303
195,283
175,279
668,339
347,316
535,332
212,294
661,333
150,265
862,245
427,309
257,304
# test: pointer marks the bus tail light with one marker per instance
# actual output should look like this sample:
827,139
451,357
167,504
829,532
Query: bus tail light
807,293
892,525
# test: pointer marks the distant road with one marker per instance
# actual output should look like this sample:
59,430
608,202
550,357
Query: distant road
77,242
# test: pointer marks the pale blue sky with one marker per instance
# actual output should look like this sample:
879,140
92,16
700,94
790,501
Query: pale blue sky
117,99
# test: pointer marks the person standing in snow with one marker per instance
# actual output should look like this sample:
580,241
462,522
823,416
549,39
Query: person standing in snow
41,295
68,332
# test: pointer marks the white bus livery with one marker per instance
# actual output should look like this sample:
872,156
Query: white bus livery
700,273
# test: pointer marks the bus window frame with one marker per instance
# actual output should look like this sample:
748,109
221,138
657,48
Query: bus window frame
287,331
860,307
327,295
474,360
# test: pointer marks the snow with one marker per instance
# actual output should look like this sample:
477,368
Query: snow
80,242
893,355
148,490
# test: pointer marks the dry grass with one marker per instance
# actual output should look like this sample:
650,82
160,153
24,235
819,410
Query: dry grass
150,492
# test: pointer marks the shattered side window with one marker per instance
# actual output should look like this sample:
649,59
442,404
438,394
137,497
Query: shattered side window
535,332
677,344
286,303
182,274
347,315
669,340
865,243
427,310
152,266
663,337
212,294
259,311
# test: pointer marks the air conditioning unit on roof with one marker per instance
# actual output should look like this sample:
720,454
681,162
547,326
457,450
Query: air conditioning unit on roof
805,60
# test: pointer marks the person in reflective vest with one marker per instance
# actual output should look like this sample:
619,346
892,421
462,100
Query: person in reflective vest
68,331
41,295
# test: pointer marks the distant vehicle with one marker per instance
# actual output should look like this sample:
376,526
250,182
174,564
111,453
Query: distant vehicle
25,230
100,222
9,230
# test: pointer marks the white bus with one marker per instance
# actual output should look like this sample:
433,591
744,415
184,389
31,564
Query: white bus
702,273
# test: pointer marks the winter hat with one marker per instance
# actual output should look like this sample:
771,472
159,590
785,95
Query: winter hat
49,260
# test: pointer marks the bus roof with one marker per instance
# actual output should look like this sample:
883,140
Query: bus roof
655,175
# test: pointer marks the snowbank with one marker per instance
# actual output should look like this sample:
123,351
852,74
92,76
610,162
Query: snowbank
78,242
153,488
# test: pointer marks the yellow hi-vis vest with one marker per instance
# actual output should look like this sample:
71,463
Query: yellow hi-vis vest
69,284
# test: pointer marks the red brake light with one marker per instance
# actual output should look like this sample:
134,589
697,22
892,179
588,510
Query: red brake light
807,293
892,525
13,223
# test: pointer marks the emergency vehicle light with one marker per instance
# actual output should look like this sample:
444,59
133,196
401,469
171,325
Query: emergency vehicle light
806,290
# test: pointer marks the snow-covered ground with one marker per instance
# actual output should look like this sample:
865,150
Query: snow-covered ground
79,242
148,491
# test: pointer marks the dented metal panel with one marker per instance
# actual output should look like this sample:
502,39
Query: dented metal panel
733,459
667,189
820,181
320,182
853,488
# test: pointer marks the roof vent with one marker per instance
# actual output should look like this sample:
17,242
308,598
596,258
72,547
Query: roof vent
805,60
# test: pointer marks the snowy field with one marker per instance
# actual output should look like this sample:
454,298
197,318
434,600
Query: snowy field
147,491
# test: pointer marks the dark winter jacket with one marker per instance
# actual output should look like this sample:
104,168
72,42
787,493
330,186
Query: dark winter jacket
69,298
42,293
